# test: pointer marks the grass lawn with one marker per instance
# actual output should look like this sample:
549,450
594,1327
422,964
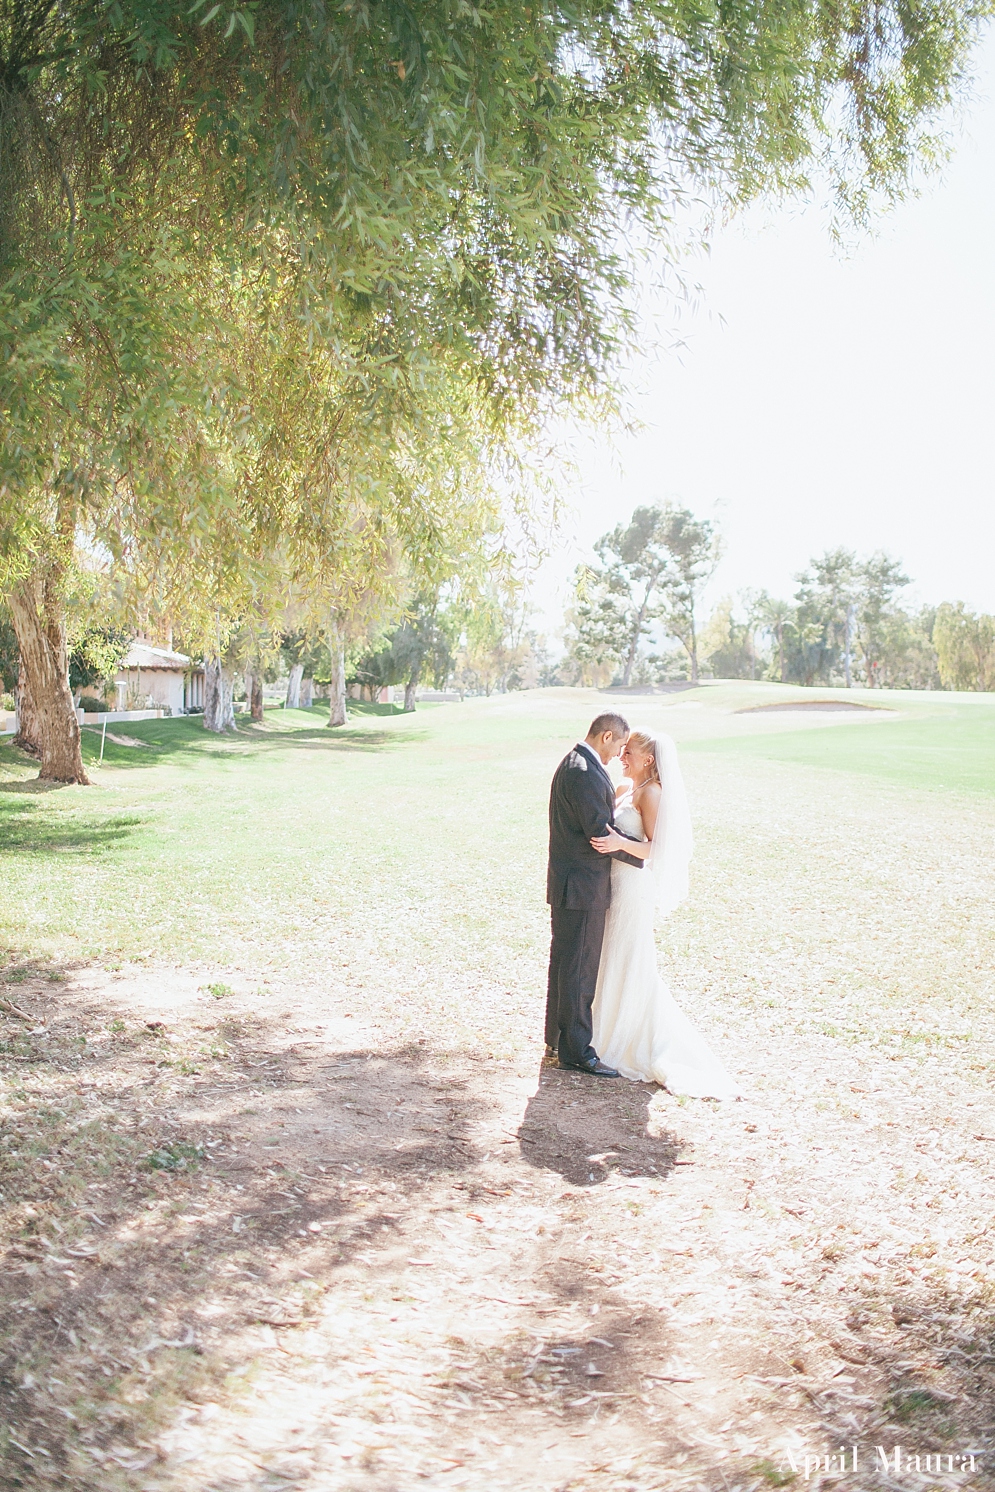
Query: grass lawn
286,1201
194,846
949,746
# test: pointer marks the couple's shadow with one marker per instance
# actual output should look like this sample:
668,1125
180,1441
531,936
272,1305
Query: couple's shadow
589,1128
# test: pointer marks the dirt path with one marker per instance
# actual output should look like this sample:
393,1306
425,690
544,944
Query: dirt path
283,1227
350,1267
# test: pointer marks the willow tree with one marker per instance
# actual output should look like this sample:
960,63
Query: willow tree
362,470
462,175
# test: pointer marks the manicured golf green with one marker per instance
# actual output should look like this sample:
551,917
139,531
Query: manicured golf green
951,748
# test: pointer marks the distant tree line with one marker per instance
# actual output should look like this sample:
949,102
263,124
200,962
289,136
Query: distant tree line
473,644
634,619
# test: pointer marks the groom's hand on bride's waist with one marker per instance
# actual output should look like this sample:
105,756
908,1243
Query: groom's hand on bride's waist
607,842
613,842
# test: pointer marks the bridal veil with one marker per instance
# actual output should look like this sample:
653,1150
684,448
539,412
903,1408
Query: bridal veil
673,842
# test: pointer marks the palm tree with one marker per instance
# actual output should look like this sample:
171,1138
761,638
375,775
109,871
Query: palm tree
775,617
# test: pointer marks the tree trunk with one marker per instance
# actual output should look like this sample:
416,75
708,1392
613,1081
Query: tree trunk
694,651
337,714
256,698
627,670
307,693
219,715
637,633
49,722
294,687
411,687
780,653
848,646
26,735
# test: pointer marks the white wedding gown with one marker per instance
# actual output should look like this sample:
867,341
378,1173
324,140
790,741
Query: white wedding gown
638,1025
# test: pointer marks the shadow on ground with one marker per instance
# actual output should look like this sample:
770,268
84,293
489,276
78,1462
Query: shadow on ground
27,825
921,1379
167,1195
587,1128
571,1374
32,785
163,740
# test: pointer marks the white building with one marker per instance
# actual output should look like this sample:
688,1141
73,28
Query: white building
151,679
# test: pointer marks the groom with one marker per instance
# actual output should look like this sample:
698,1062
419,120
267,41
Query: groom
578,889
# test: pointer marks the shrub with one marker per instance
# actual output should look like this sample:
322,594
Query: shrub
91,704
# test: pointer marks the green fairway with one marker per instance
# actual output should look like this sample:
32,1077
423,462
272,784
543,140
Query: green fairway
951,747
239,847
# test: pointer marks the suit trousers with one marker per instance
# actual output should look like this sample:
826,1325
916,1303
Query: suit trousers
574,956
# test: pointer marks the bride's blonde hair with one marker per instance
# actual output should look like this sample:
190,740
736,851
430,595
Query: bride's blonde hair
647,743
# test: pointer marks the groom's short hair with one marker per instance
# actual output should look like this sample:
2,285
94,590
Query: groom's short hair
617,724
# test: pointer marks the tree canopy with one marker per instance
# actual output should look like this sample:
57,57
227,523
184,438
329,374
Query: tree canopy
848,624
965,645
280,282
649,577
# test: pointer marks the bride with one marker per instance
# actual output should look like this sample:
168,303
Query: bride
638,1025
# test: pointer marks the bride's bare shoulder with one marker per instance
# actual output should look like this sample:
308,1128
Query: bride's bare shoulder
647,792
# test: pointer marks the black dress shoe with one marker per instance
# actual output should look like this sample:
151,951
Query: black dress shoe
594,1066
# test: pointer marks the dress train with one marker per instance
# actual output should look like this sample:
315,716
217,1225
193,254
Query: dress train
638,1025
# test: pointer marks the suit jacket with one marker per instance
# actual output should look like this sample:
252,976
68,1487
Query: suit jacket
581,808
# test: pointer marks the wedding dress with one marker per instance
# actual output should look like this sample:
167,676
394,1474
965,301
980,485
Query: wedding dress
638,1025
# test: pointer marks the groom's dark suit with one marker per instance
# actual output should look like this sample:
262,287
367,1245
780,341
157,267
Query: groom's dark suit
578,889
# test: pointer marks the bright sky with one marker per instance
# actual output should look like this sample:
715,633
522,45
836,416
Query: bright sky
820,400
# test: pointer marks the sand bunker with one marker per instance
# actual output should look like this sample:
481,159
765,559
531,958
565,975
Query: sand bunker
808,704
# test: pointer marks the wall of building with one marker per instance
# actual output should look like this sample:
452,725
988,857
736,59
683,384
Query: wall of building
136,687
